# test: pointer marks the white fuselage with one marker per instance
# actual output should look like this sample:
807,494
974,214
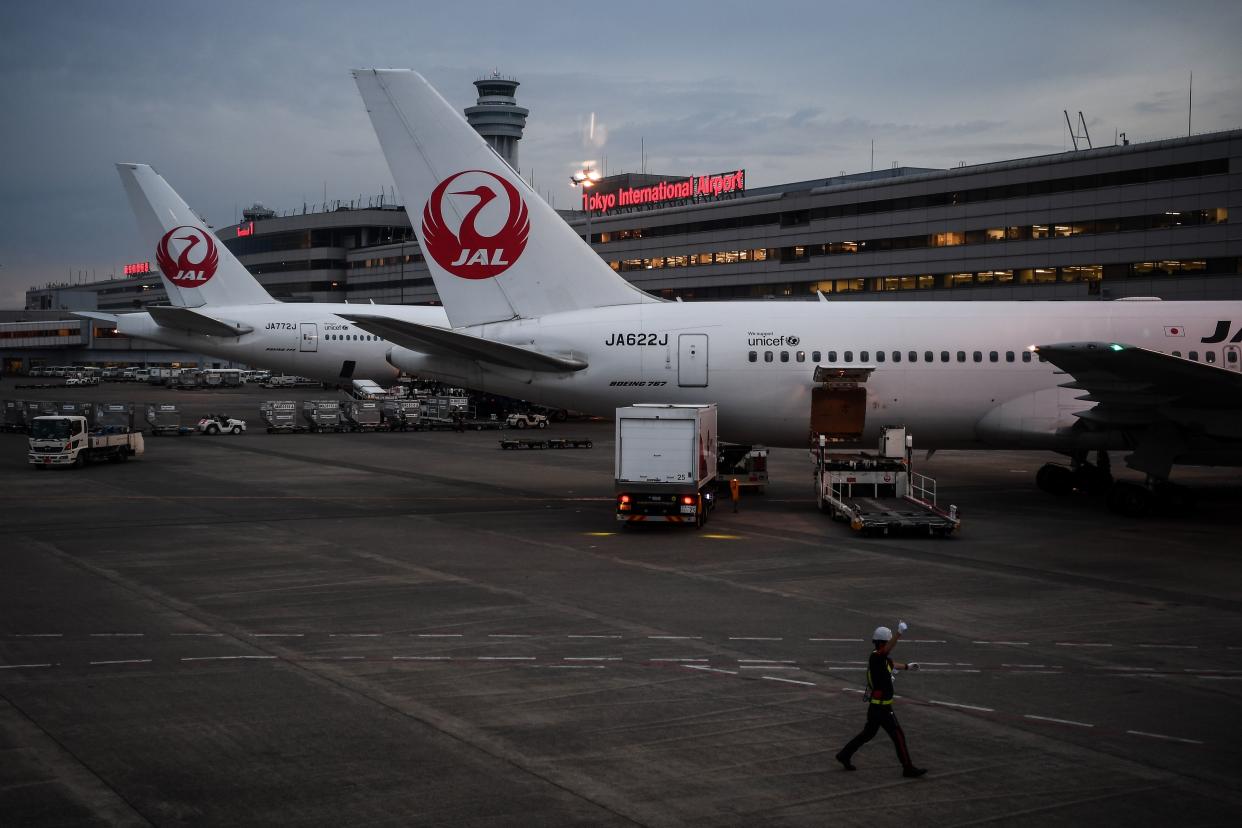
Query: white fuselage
702,352
307,340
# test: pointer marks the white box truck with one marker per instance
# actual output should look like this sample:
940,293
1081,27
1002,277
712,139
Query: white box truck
68,441
665,463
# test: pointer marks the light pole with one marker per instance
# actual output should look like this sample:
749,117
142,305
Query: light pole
585,178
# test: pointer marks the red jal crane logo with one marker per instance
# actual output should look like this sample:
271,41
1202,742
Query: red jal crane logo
468,253
194,265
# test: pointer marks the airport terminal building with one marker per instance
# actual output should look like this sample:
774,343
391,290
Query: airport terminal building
1147,219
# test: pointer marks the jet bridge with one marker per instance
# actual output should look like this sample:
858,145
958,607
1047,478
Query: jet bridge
839,402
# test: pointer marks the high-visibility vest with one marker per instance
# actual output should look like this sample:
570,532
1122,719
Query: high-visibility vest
872,693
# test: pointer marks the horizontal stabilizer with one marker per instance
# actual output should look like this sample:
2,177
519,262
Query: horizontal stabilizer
188,319
98,316
449,343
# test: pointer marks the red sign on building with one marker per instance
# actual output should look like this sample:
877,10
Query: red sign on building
694,188
136,268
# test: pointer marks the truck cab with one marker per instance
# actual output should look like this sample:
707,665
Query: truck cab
67,441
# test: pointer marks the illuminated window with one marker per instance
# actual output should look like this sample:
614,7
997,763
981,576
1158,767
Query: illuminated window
994,234
1045,274
1040,231
958,279
948,239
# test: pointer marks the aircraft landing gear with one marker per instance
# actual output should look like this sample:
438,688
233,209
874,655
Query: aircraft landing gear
1080,476
1055,479
1139,500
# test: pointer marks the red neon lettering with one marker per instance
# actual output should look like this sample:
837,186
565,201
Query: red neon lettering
134,268
246,229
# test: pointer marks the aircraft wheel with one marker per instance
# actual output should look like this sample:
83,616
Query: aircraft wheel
1130,499
1054,479
1092,479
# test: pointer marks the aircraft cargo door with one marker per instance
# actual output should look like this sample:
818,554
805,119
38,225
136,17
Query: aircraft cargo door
310,337
692,360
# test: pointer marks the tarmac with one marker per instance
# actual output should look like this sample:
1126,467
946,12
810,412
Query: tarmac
422,629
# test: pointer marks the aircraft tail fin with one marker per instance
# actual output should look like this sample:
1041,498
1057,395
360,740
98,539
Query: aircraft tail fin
495,249
197,270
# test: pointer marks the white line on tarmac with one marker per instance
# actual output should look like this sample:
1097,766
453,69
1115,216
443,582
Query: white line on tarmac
439,635
592,658
711,669
925,641
1057,721
677,659
766,667
508,635
592,636
38,635
117,635
505,658
199,635
276,635
1169,646
790,681
675,637
960,706
1166,738
21,666
122,661
420,658
753,638
1081,644
850,640
230,658
765,661
354,635
575,666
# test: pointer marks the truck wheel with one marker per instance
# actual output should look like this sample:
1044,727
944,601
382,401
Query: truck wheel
237,429
543,424
521,424
213,429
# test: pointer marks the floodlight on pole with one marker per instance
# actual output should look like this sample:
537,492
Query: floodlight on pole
586,178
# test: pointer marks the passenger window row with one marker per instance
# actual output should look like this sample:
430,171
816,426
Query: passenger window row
910,356
1231,356
352,337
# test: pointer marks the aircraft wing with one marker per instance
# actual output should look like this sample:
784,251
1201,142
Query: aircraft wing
1135,386
446,342
98,316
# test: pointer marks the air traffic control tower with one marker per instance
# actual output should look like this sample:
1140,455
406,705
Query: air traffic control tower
497,117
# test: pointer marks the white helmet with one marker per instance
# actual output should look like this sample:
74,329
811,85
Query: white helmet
882,634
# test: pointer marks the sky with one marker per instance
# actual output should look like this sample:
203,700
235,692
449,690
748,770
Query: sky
236,103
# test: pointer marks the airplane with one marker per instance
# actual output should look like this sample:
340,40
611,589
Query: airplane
535,313
217,307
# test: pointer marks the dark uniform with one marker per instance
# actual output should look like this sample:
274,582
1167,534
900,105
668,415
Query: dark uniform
879,714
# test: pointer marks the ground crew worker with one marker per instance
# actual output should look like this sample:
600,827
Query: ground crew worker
880,702
735,492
